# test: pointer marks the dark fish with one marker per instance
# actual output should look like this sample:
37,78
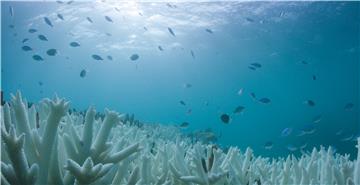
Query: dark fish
192,54
134,57
108,34
42,37
48,22
268,145
160,48
60,2
286,132
24,40
11,11
184,124
69,2
96,57
117,9
311,103
314,77
145,28
11,26
41,83
349,106
265,100
171,32
308,129
257,65
83,73
51,52
239,109
252,68
225,118
208,30
182,102
249,19
108,18
187,85
37,58
89,19
140,14
253,95
60,16
109,57
32,30
74,44
304,62
26,48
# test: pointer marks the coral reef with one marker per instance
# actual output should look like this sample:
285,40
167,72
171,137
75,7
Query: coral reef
47,144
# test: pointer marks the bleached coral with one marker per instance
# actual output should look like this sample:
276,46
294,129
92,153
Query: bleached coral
47,144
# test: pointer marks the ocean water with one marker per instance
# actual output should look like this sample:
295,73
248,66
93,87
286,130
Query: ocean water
307,51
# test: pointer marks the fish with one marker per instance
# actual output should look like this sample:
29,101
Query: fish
240,92
308,129
109,57
286,132
41,83
134,57
37,58
51,52
314,77
239,110
282,14
108,34
304,62
184,124
60,16
253,96
182,102
339,132
171,31
349,107
317,118
48,22
74,44
187,85
117,9
11,11
225,118
42,37
24,40
108,18
160,48
145,28
60,2
208,30
310,103
257,65
96,57
11,26
249,19
140,14
268,145
70,2
189,111
83,73
252,68
192,54
32,30
291,148
89,19
348,137
26,48
264,100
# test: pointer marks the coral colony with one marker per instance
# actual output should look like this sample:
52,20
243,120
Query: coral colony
47,144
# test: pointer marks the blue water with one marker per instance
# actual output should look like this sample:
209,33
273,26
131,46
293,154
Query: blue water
281,36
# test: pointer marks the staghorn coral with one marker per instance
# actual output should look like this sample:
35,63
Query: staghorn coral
47,144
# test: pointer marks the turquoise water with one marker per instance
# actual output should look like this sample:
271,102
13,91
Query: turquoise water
293,41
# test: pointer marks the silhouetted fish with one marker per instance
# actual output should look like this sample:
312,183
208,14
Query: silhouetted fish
239,109
225,118
314,77
48,22
11,26
74,44
83,73
26,48
40,83
42,37
108,18
70,2
11,11
117,9
60,2
32,30
187,85
268,145
249,19
253,96
252,68
171,31
134,57
109,57
192,54
89,19
311,103
37,58
208,30
160,48
257,65
265,100
286,132
96,57
60,16
51,52
184,124
182,102
24,40
349,106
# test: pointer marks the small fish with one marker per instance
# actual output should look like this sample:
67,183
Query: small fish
171,31
109,57
11,11
317,118
160,48
348,137
189,111
145,28
268,145
304,62
70,2
308,129
117,9
349,107
184,124
41,83
310,103
303,146
225,118
60,16
257,65
182,102
264,100
249,19
51,52
253,96
11,26
48,22
32,30
192,54
286,132
60,2
96,57
83,73
252,68
291,148
37,58
140,14
208,30
42,37
240,92
282,14
134,57
24,40
89,19
187,85
26,48
239,110
74,44
314,77
108,18
108,34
